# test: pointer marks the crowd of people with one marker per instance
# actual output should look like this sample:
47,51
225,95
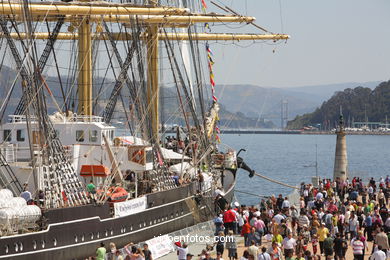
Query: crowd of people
331,218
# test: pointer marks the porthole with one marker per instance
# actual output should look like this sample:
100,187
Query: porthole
20,246
6,249
43,243
34,245
55,242
76,239
16,247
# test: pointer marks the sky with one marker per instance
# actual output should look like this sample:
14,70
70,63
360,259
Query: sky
331,41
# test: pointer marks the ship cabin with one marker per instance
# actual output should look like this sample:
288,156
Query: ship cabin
70,130
82,138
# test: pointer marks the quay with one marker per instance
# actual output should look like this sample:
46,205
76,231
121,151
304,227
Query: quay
297,132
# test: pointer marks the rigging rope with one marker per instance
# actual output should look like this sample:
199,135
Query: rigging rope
275,181
256,195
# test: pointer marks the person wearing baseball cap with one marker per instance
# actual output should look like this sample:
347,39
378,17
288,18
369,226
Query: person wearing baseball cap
189,256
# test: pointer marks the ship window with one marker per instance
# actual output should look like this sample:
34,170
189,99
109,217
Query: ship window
82,238
16,247
106,233
7,135
98,235
35,244
76,239
20,246
6,248
93,136
80,136
20,135
55,242
43,243
91,235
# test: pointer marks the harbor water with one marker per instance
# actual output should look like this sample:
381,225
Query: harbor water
292,159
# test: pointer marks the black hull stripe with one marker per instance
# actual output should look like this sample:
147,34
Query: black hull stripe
94,241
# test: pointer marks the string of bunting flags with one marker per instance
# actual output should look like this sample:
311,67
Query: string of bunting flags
210,63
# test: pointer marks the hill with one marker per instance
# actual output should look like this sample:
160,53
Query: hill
169,101
265,102
357,104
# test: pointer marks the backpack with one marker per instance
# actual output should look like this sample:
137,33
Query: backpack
328,243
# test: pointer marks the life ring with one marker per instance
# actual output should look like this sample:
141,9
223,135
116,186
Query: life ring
138,156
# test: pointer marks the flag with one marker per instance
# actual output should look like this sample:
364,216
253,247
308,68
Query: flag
204,6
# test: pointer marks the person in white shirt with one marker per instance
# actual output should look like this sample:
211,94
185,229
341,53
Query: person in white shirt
182,252
378,254
278,218
285,204
289,244
263,255
319,196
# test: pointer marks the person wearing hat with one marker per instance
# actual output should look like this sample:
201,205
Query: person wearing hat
189,256
322,233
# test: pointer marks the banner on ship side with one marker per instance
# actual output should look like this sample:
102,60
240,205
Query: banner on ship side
130,207
160,246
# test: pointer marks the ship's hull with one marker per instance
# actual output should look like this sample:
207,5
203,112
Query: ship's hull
82,229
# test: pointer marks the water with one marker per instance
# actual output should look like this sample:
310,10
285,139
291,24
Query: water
291,159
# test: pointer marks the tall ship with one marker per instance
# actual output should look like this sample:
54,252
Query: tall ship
71,176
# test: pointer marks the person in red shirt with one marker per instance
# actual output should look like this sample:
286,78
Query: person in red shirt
332,208
246,229
229,219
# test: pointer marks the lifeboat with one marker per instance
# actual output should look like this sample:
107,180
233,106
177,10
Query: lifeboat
117,194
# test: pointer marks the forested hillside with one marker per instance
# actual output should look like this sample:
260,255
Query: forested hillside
356,104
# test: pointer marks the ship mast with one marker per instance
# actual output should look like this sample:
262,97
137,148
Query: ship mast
86,12
152,92
85,68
